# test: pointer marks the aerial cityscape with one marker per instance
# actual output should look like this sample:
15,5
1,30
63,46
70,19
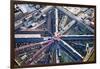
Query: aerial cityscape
53,34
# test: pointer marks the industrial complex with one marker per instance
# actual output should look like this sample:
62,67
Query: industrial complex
53,34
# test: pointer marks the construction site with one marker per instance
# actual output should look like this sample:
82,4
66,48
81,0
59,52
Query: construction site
53,34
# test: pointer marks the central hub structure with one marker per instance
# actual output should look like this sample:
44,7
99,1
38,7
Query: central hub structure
57,36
